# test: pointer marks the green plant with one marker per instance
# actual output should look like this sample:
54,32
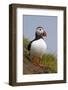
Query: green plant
50,62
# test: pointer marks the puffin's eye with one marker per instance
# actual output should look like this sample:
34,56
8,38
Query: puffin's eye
40,29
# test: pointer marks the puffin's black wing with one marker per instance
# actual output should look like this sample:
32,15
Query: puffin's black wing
29,45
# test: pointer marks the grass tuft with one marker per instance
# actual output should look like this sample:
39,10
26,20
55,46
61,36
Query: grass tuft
50,62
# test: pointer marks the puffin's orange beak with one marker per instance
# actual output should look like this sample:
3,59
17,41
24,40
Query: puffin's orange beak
44,34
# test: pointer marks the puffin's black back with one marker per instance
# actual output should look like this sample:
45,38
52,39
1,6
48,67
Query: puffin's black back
29,45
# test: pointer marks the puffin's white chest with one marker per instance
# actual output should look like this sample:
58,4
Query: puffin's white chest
38,47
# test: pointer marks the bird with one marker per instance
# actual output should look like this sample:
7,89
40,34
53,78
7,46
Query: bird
37,47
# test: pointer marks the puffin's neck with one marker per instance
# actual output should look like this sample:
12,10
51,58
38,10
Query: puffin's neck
38,37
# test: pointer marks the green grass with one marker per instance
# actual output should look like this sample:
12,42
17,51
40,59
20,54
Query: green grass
49,60
25,43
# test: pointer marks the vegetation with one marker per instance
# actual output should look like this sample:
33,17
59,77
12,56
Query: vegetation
48,60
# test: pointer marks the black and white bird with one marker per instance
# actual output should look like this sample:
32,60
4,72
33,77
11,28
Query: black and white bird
38,46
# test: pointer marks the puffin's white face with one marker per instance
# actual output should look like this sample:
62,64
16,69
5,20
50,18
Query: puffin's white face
40,31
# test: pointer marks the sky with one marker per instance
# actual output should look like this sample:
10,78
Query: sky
49,23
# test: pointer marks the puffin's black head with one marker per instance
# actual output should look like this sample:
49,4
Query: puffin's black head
40,33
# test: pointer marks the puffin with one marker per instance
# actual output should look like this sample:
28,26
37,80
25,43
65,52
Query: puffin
37,47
